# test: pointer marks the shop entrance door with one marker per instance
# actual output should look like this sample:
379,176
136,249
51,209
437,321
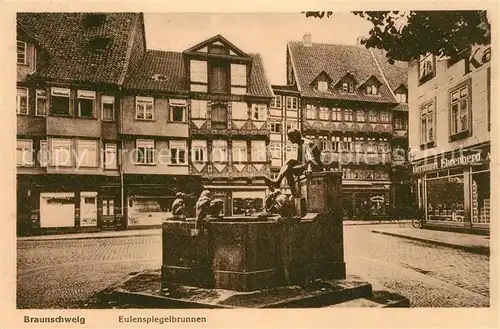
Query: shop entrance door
108,214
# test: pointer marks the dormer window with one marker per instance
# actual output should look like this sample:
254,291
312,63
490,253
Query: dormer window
322,86
21,52
94,20
347,87
372,89
426,67
401,97
99,43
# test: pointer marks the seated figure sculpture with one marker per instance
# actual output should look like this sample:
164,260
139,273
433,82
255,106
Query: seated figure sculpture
309,159
280,204
215,209
179,206
203,205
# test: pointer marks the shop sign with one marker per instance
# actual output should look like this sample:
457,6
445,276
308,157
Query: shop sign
378,199
452,162
477,58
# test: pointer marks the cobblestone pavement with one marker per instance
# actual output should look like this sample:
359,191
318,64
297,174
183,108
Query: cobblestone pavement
60,273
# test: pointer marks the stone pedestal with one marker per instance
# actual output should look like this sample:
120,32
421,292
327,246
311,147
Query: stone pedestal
249,254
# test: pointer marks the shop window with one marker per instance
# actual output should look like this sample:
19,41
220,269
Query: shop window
144,108
61,152
198,109
460,112
177,110
247,206
480,197
86,103
219,116
41,105
177,152
311,112
22,100
110,156
108,108
324,113
24,153
445,199
240,151
59,101
427,125
145,149
87,153
276,102
219,151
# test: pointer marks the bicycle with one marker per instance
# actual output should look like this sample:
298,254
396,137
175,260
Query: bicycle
417,222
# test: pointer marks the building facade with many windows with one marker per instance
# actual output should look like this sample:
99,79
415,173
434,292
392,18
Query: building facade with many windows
68,100
350,104
450,122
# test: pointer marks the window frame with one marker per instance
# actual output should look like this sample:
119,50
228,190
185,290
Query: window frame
311,112
467,85
346,113
144,101
25,51
107,97
29,151
429,75
253,149
45,97
239,145
95,142
80,96
18,101
201,149
183,148
43,148
66,94
220,124
146,142
322,111
424,142
198,109
276,123
54,159
223,146
364,116
292,99
108,146
274,102
259,109
322,86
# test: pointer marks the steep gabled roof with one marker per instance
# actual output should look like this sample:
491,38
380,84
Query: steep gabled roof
65,40
171,65
221,40
371,77
336,61
396,74
321,75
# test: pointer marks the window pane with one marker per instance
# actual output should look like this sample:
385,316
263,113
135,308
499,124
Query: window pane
87,153
86,107
110,156
61,152
60,105
178,114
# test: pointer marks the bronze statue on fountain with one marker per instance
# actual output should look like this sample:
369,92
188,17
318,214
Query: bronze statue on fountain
309,160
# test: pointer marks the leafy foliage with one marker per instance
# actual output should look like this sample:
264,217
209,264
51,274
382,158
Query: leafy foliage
405,35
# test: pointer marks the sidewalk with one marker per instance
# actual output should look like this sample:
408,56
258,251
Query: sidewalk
376,222
92,235
468,242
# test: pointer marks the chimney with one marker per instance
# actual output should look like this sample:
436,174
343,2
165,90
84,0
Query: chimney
307,39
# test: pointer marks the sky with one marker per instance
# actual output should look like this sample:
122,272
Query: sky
264,33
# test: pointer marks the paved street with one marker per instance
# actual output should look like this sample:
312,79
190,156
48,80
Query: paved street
60,273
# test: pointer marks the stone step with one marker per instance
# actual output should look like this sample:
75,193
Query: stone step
381,299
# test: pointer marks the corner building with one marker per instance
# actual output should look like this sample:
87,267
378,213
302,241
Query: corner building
450,123
348,104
